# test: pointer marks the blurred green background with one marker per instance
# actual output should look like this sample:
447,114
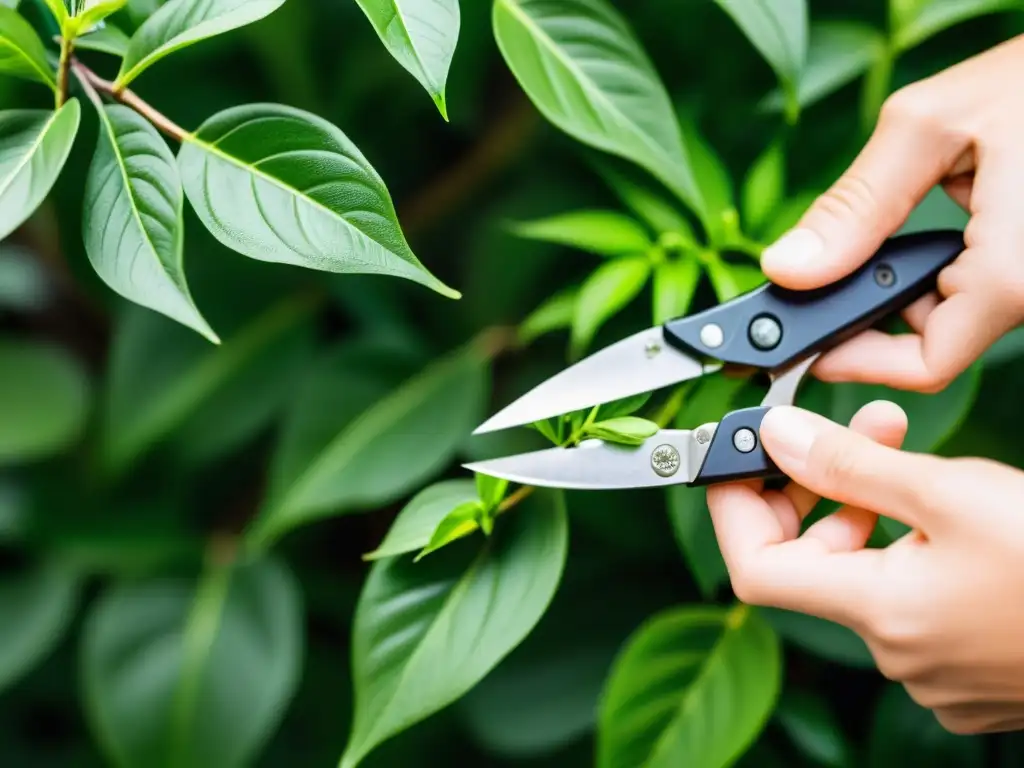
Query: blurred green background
127,443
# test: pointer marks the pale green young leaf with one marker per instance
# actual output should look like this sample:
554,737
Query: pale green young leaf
59,9
777,29
491,490
622,430
731,280
133,225
624,407
608,289
44,401
693,686
639,196
457,524
425,633
179,673
599,87
180,23
21,51
90,12
34,145
764,187
419,518
922,20
556,312
607,233
675,282
712,178
37,604
106,39
812,726
838,52
393,445
282,185
422,36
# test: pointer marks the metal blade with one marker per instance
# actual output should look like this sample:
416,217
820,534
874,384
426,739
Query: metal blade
671,457
639,363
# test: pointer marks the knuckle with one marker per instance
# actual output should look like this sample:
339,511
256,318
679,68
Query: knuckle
914,106
958,724
833,460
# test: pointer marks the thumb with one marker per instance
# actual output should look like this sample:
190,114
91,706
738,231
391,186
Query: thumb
908,153
838,463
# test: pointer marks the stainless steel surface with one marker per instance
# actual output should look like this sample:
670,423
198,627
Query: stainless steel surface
784,386
744,440
765,333
711,336
639,363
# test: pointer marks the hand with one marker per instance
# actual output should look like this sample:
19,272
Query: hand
942,608
961,128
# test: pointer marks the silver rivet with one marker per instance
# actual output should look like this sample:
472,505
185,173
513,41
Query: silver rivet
744,440
703,436
884,275
711,336
652,348
665,460
765,332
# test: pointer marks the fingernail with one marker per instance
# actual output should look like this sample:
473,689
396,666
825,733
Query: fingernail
797,249
788,434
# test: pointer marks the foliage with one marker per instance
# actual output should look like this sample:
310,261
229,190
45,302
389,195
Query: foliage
265,265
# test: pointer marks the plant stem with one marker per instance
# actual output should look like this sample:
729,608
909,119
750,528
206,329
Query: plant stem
515,498
67,46
163,123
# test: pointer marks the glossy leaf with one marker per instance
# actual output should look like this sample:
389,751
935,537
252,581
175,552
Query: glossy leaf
59,9
820,637
555,313
132,223
457,524
425,633
21,51
624,407
623,430
382,453
731,280
416,523
929,17
675,282
905,733
693,686
37,604
422,36
44,401
106,39
603,232
491,490
711,176
764,187
608,289
180,23
91,12
648,205
282,185
778,29
583,68
34,145
167,666
811,725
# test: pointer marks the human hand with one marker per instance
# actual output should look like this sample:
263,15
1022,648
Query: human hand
942,608
960,128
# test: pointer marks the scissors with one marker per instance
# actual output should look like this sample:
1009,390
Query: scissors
777,331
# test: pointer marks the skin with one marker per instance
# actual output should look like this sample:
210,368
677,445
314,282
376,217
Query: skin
941,609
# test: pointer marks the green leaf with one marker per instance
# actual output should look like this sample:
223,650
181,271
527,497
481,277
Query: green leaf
675,282
904,733
623,407
106,39
34,145
732,280
457,524
712,178
777,29
636,193
416,523
554,313
393,445
764,186
426,633
927,18
180,674
92,12
811,726
624,430
44,401
21,51
180,23
838,52
282,185
695,685
421,35
491,490
608,289
37,605
602,232
820,637
133,219
599,87
59,11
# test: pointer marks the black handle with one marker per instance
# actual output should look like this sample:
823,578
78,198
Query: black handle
735,452
771,326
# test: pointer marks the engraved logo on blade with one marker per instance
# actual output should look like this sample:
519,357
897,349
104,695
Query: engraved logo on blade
665,460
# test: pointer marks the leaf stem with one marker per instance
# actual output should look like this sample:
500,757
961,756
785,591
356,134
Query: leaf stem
67,46
160,121
510,501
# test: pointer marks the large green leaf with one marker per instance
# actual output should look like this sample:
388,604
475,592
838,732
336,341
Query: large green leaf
778,29
675,283
107,39
182,675
579,62
21,51
922,19
357,459
425,633
133,219
44,401
278,184
34,145
904,733
180,23
37,605
695,685
421,35
608,233
609,289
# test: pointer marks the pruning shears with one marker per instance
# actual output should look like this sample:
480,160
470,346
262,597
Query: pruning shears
777,331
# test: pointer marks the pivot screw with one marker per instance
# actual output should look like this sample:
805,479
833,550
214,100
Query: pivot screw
665,460
765,332
744,440
711,336
884,275
703,436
